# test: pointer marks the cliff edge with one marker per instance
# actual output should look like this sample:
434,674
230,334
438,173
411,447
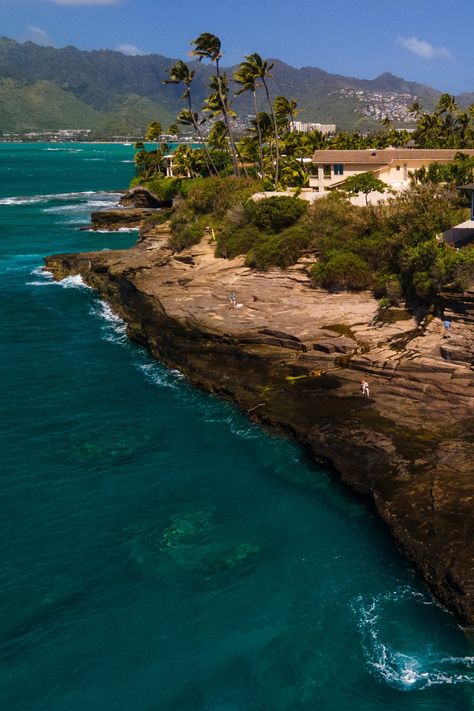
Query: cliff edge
293,357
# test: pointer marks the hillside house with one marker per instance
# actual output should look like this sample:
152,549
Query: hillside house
392,165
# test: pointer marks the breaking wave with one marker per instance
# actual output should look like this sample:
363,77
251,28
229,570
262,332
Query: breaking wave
43,277
73,282
114,328
106,197
159,375
402,662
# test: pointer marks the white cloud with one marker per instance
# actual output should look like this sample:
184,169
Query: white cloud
129,49
424,49
71,3
38,35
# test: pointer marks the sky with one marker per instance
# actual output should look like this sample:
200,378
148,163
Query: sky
428,41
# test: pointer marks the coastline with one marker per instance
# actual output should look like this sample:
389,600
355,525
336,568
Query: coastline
292,357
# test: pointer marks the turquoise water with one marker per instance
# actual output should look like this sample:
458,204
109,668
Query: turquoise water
157,551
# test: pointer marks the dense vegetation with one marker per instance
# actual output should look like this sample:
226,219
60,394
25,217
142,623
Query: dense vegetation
393,248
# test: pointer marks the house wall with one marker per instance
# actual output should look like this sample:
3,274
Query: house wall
397,179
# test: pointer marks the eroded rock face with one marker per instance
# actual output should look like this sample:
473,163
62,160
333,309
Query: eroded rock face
120,217
293,357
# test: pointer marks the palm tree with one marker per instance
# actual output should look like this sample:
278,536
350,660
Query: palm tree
245,76
261,70
285,111
446,104
180,73
153,132
208,46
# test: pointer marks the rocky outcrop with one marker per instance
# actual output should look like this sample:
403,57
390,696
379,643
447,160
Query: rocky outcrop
120,217
292,356
142,197
137,207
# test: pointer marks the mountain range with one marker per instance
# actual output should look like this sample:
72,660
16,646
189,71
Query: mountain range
112,93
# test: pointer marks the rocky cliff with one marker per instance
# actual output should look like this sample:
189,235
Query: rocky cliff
293,356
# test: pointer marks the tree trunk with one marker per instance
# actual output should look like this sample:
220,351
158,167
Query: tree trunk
235,164
277,144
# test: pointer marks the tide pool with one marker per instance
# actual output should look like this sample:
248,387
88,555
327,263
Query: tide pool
157,550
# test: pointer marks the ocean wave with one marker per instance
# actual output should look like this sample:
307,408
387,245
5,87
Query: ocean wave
44,277
120,229
80,207
35,199
419,666
73,282
64,150
114,328
159,375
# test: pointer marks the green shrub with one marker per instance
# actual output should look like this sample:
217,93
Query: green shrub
186,236
459,266
279,250
165,188
239,240
276,213
343,270
216,195
186,229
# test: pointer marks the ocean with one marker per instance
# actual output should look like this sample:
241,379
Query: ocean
157,550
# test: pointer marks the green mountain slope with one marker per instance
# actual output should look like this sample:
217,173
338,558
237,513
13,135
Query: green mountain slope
46,87
27,106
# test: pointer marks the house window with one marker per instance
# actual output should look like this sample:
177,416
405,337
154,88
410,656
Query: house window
338,169
398,167
327,171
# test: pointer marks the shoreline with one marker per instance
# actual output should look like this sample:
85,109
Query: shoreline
292,357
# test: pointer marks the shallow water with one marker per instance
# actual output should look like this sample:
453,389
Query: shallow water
157,551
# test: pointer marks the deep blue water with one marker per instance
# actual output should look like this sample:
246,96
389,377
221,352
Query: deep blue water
157,551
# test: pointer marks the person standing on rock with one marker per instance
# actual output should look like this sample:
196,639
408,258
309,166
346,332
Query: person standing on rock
232,300
364,386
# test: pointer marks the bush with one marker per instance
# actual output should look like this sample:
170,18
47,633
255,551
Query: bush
276,213
279,250
459,265
186,230
343,270
239,240
165,188
215,195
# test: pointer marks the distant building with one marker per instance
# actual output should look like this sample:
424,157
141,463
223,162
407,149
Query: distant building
305,127
392,165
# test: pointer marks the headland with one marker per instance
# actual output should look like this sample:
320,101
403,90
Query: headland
293,356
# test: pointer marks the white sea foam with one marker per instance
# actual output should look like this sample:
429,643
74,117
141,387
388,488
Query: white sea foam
159,375
63,150
80,207
114,328
45,277
94,198
73,282
120,229
406,669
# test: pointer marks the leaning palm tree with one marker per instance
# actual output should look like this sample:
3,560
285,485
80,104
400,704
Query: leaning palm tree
261,70
285,111
208,46
180,73
217,105
247,79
